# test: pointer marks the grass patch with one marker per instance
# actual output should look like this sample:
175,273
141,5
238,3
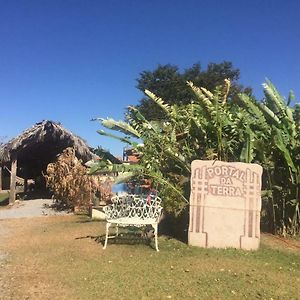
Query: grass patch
61,257
4,198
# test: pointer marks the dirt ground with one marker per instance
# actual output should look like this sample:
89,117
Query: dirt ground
50,257
24,275
29,209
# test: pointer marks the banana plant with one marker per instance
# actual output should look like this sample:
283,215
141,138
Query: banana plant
202,129
277,125
215,127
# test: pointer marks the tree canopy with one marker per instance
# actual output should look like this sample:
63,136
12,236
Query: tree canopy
169,83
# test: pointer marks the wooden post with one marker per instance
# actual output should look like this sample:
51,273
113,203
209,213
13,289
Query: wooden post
0,178
25,185
13,174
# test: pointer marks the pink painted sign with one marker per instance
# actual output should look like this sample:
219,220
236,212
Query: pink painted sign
225,204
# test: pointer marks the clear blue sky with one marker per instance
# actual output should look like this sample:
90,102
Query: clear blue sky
69,61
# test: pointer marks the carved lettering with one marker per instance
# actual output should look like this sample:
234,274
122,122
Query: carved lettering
226,180
220,190
210,172
226,171
218,171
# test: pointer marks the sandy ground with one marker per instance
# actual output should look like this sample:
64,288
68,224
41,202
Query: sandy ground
24,209
29,209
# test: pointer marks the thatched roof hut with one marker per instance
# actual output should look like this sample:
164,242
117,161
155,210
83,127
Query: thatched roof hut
39,145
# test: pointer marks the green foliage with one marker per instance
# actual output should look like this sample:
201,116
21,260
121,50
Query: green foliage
215,126
277,148
169,83
205,128
119,126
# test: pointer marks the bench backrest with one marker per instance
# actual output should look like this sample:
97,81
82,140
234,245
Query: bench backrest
134,206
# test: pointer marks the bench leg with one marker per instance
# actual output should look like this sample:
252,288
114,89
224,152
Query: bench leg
117,229
155,227
106,236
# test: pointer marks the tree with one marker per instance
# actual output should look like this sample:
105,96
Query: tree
170,84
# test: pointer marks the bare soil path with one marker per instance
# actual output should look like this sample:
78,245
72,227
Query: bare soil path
23,268
24,210
29,209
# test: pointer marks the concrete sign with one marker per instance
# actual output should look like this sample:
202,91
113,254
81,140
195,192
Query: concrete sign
225,204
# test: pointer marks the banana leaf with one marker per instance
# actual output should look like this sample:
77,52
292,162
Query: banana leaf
122,139
278,139
120,126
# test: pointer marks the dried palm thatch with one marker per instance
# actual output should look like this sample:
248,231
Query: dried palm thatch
39,145
41,133
68,180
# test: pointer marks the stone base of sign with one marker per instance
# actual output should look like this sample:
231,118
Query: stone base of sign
225,205
245,243
198,239
249,243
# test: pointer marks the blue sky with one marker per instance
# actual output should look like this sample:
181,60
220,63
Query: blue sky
70,61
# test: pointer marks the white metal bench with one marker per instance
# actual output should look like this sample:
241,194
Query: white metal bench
133,210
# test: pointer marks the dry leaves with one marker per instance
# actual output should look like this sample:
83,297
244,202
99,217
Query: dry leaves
68,180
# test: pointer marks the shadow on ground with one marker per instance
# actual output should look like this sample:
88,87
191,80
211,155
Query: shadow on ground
175,226
32,195
127,238
5,201
170,226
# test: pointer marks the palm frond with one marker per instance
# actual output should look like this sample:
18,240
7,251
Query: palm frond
247,153
281,145
159,101
120,126
226,89
121,139
269,114
254,109
202,96
291,97
105,167
273,98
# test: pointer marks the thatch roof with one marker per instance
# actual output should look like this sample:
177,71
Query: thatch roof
40,144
